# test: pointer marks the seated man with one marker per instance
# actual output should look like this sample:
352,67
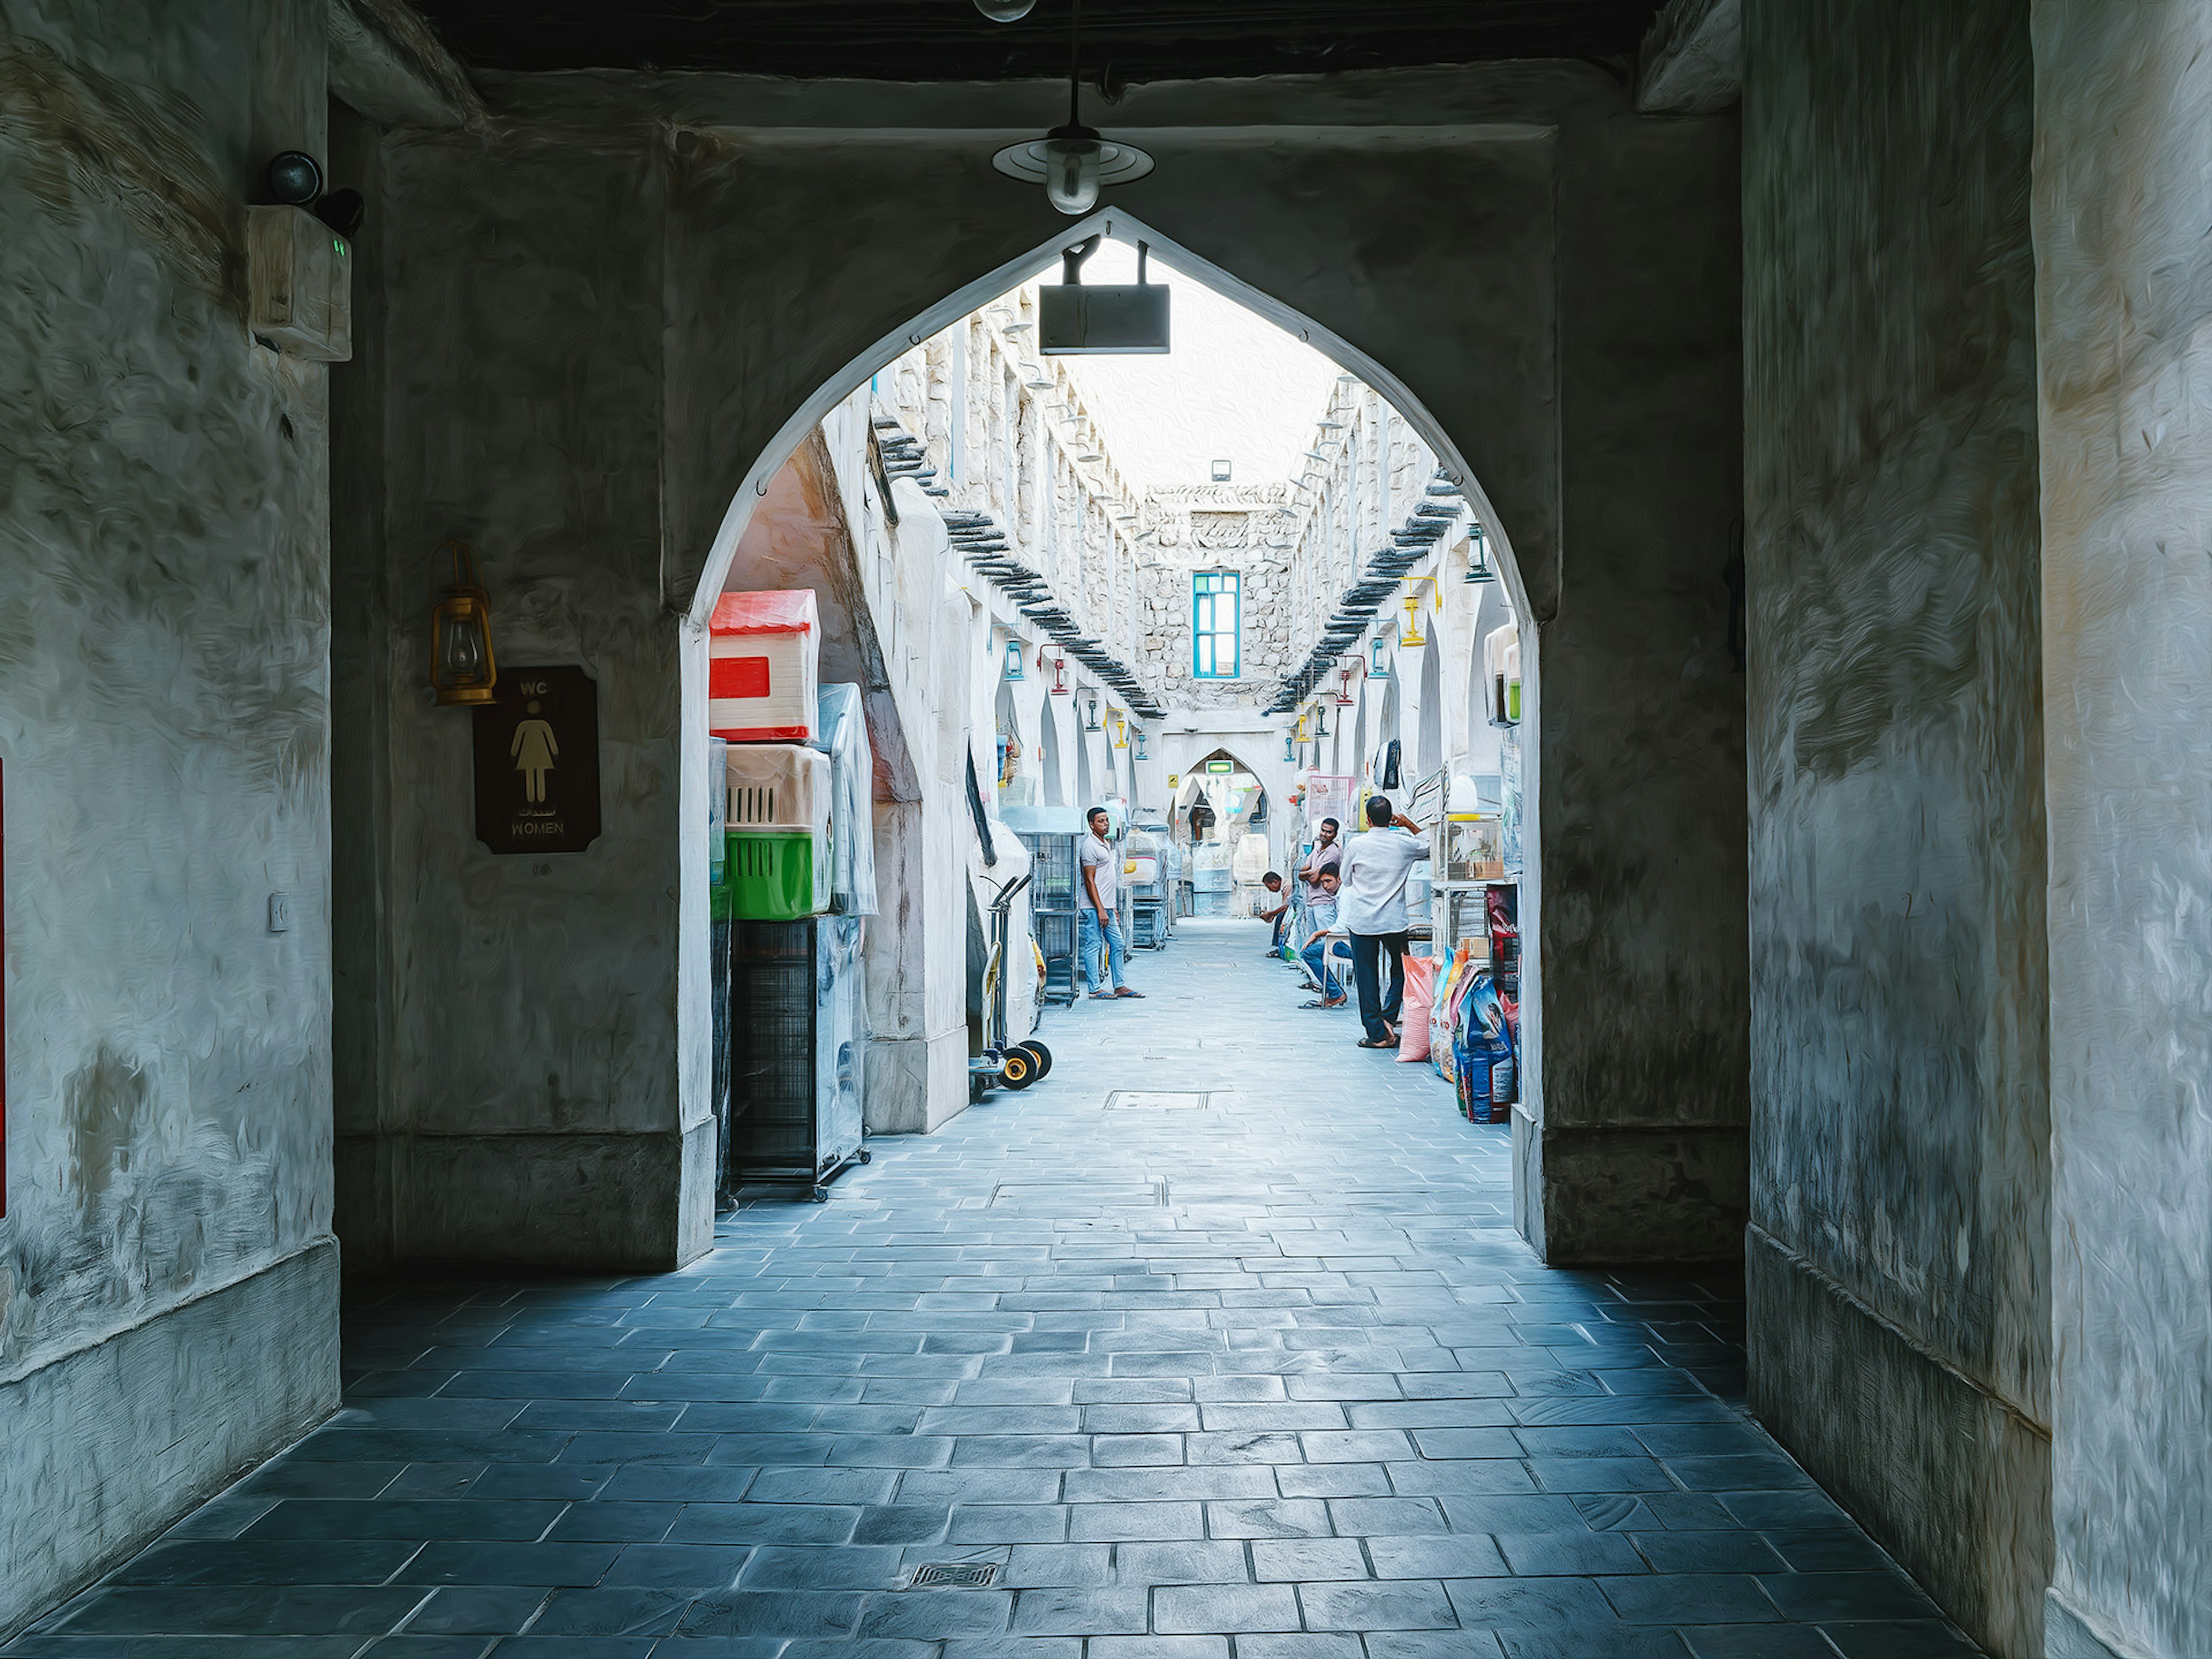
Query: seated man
1279,915
1323,909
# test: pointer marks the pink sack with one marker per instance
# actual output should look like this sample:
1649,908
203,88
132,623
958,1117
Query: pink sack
1414,1025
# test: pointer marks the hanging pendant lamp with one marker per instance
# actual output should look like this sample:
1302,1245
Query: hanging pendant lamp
1073,162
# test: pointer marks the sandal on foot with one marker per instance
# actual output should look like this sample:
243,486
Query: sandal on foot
1369,1043
1126,991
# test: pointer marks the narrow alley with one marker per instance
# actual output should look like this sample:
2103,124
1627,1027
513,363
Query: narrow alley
1181,1372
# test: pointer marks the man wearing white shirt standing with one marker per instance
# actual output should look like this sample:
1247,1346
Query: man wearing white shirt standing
1371,909
1098,907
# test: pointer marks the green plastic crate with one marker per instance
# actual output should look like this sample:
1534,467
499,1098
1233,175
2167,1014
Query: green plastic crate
772,875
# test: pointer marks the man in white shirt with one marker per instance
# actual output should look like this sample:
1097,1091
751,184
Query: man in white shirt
1097,916
1371,909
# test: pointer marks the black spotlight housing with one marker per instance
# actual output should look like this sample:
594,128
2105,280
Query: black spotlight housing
295,179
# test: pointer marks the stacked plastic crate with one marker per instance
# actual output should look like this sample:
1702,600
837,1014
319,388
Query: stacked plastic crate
1050,833
793,973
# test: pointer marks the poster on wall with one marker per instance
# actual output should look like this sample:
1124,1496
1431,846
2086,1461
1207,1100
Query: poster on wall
537,762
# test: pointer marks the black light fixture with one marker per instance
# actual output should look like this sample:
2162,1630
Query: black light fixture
295,179
1073,162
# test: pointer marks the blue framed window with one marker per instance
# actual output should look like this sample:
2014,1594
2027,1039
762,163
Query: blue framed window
1216,624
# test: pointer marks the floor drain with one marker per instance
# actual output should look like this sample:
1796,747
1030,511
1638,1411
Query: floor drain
1157,1100
955,1575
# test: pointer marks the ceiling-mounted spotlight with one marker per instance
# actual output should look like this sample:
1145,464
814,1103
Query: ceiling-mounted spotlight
1005,11
1073,162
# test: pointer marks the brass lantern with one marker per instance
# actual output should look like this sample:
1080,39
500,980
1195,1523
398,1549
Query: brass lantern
462,668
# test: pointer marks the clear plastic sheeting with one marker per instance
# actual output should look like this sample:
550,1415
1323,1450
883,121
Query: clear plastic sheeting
843,727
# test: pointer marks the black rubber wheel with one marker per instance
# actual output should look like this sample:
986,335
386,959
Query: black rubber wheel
866,1157
1037,1052
821,1194
1017,1070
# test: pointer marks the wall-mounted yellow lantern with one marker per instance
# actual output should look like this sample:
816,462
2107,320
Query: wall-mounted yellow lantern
1302,725
1411,634
462,667
1121,729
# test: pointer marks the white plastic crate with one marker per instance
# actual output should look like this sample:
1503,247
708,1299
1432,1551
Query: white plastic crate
777,785
763,653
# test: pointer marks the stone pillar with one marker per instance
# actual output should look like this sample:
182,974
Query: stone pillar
2122,192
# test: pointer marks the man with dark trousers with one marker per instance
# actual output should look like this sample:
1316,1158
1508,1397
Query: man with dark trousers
1371,909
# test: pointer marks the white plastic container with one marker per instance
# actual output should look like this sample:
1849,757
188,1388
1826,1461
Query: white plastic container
777,785
762,667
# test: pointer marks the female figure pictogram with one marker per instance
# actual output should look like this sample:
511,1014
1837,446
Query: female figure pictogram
534,748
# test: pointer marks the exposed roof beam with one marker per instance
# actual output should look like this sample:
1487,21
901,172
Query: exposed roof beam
1692,60
387,64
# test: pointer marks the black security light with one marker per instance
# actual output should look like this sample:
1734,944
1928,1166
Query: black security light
295,179
1073,162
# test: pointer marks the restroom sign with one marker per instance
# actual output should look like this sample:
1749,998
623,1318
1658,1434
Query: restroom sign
538,761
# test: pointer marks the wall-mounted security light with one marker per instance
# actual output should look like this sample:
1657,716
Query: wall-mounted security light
1014,659
1073,162
1221,472
462,667
1102,319
295,179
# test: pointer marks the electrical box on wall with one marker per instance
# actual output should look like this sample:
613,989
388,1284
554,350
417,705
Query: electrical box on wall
299,275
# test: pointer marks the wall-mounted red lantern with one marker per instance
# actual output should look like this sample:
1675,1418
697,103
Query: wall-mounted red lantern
1060,688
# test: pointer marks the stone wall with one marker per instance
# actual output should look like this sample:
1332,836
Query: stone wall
2122,192
1243,529
1897,1255
167,1273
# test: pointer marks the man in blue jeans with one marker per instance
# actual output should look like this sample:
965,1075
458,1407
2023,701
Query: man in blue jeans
1096,914
1322,910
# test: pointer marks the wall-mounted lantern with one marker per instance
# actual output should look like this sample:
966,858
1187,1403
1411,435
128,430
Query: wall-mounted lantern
1411,636
1121,729
1344,688
1320,720
1060,688
1478,557
1379,669
1014,659
1141,755
1094,726
462,667
1291,748
1302,725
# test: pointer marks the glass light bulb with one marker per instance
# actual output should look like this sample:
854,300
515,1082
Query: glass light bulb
1071,173
1005,11
464,654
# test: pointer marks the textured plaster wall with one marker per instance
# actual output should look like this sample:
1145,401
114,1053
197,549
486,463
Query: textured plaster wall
1899,1248
2122,192
1639,726
537,1100
164,727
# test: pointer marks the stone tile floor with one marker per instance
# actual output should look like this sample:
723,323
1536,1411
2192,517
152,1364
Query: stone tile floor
1271,1379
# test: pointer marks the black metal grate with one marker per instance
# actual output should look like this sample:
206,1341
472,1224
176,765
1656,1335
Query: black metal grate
772,1045
1052,870
955,1575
